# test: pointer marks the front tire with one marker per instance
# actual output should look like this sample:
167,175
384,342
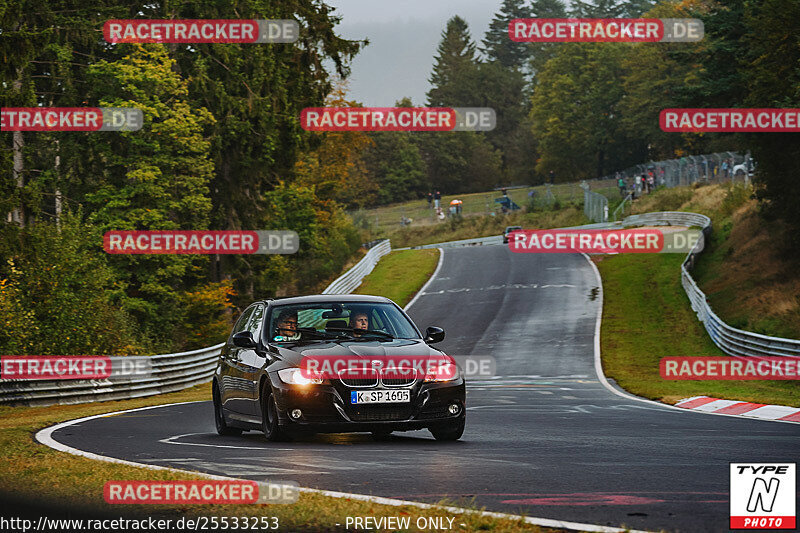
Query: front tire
219,417
269,416
450,432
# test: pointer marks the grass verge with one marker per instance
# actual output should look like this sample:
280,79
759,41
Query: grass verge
647,316
400,275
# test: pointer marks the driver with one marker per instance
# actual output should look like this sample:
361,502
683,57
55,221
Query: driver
359,321
287,325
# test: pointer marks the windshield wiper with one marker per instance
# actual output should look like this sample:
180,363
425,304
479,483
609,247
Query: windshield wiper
364,332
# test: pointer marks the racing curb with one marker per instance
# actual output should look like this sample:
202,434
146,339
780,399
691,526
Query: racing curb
763,411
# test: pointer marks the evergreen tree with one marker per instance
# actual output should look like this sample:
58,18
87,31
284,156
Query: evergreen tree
610,8
596,8
540,52
497,45
548,9
454,67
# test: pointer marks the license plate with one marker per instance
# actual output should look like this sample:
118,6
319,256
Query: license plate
380,396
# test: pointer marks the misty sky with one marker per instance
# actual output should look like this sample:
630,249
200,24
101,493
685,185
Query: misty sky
403,37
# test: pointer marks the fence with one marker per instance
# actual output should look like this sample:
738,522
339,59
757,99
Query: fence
686,170
170,372
732,341
706,168
595,206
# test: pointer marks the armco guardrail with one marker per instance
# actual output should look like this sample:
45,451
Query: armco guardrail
170,372
351,279
730,340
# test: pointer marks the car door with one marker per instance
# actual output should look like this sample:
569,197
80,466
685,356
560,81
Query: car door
251,362
231,375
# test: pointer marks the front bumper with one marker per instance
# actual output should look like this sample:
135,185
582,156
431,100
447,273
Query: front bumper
327,408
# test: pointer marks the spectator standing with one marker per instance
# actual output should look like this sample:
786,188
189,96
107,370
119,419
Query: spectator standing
437,198
430,200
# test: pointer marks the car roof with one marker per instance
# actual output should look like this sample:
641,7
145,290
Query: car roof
329,298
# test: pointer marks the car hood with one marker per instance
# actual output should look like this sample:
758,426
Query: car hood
366,349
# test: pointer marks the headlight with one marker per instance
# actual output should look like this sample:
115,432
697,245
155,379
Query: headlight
294,376
446,372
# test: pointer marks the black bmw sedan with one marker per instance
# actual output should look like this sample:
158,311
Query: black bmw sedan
332,364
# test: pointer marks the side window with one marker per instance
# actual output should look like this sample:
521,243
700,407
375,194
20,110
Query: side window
241,324
255,320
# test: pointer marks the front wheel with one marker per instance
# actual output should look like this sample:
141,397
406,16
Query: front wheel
451,432
269,416
219,418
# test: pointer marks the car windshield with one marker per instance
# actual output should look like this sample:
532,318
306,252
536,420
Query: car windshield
345,320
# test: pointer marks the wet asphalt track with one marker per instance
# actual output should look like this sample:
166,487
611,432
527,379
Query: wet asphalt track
545,438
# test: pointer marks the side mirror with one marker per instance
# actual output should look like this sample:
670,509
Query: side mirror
434,334
244,339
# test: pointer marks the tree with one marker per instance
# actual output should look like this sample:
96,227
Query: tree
60,297
503,90
610,8
497,45
46,46
454,69
540,52
575,113
184,169
335,168
461,161
155,178
257,94
395,162
771,70
656,75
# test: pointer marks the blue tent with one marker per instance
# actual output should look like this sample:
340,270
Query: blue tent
506,202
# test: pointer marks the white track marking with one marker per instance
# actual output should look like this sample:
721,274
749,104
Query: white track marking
425,286
598,365
171,440
45,436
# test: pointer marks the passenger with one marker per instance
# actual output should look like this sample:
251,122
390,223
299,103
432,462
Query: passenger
287,325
